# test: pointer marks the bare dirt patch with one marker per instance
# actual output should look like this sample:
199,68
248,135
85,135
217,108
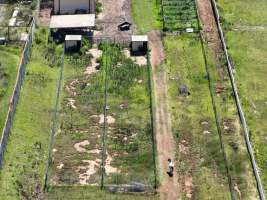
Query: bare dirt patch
114,13
80,146
85,172
139,60
110,119
96,53
108,168
71,103
209,24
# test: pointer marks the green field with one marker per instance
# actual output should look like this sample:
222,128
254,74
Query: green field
247,48
26,153
9,63
145,14
194,124
199,155
244,12
123,143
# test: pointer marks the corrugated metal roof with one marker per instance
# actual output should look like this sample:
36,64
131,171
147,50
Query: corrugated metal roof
139,38
73,21
73,38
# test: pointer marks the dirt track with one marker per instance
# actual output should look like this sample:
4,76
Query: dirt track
165,141
209,25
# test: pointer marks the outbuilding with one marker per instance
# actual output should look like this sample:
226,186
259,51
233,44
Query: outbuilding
73,42
139,44
63,7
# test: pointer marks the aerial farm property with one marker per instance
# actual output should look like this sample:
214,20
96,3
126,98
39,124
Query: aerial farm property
133,100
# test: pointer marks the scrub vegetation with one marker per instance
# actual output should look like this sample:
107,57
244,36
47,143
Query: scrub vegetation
117,91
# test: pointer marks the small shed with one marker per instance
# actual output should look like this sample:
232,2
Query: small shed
139,44
2,40
73,42
125,26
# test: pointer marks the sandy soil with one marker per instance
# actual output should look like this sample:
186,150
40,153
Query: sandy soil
110,119
139,60
90,169
114,13
169,188
108,168
96,53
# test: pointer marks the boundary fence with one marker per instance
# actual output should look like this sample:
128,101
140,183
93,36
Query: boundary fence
102,185
54,122
238,104
16,91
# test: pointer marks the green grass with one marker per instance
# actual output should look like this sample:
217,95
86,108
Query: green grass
132,157
9,63
25,159
244,12
145,14
247,51
204,159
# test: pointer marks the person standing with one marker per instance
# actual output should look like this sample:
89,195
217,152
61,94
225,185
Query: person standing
171,168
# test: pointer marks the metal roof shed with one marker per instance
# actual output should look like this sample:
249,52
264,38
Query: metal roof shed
139,44
72,21
73,42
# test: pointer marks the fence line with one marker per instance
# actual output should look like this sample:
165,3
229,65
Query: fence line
216,116
16,91
54,123
238,104
152,117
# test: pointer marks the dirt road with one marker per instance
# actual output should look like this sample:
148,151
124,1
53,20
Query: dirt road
165,141
209,25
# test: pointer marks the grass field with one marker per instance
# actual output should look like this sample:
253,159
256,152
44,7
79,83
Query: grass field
244,12
199,154
196,132
25,159
146,15
247,48
124,142
9,63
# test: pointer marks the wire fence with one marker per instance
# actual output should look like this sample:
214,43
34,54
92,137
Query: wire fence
16,91
118,134
238,104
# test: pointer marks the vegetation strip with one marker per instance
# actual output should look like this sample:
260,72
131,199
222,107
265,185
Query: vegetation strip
54,123
238,104
16,91
214,105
